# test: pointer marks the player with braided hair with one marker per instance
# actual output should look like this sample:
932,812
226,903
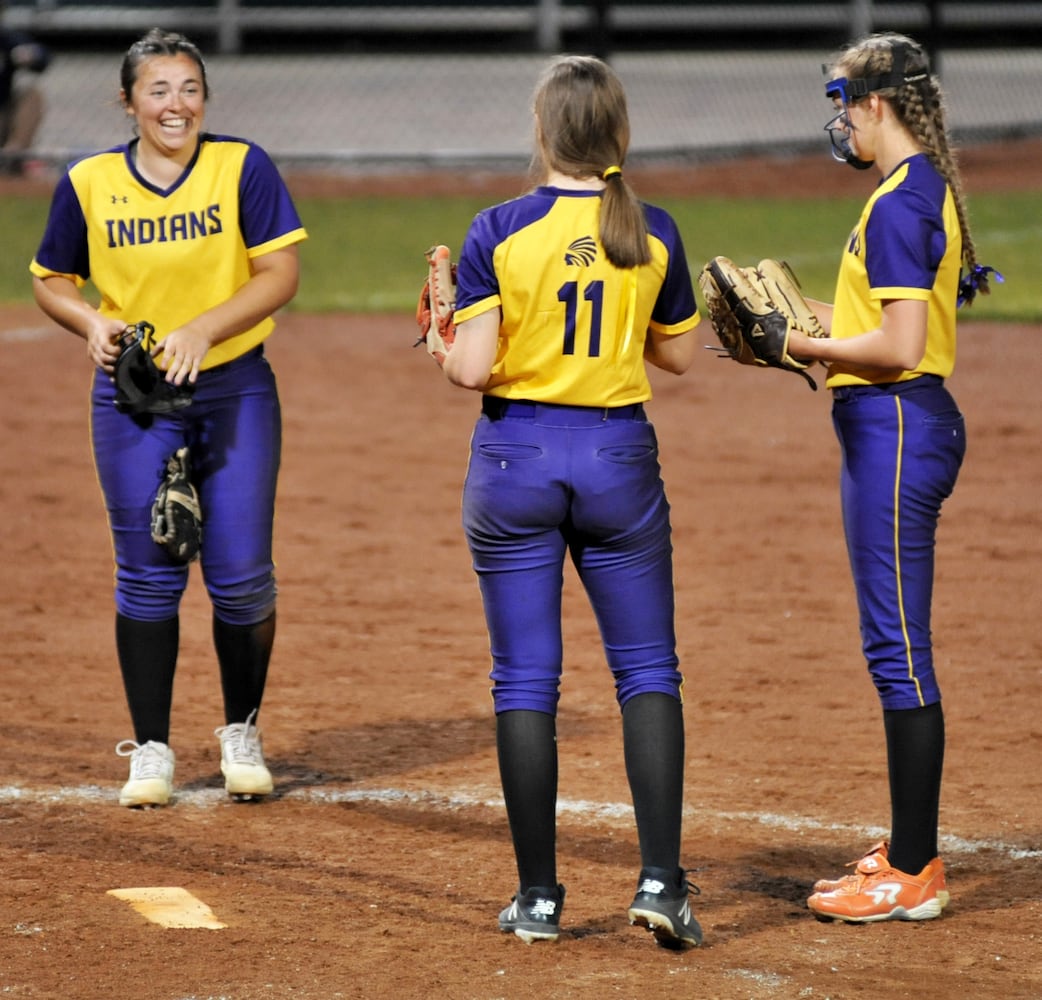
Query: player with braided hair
897,70
902,438
191,236
562,296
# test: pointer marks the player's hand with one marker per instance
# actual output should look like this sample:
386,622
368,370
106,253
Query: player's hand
103,342
180,354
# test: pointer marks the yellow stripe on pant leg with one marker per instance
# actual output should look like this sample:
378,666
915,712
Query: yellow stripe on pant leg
897,550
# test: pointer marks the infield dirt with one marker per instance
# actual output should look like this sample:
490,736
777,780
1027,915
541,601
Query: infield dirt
379,865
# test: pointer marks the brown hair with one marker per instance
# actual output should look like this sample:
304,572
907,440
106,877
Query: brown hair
918,103
583,130
159,43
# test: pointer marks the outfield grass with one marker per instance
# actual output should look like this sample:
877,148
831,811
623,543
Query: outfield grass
366,254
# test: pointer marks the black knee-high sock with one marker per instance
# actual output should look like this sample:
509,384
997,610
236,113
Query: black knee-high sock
653,738
915,759
527,746
243,654
147,654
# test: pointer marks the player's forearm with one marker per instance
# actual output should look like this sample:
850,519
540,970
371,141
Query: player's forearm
60,299
473,353
872,349
271,287
898,344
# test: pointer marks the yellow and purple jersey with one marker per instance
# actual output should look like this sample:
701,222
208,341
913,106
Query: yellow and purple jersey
166,256
906,245
573,325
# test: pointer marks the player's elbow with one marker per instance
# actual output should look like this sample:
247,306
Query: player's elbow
463,371
463,377
676,365
905,354
669,366
910,362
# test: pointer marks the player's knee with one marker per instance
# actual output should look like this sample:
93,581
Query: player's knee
243,603
661,680
147,604
525,697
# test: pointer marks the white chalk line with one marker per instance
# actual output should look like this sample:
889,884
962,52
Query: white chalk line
455,802
28,333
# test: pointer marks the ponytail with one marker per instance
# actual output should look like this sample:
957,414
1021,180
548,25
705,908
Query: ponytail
624,230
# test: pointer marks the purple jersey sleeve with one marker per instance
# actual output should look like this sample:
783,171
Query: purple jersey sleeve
676,299
476,277
63,247
266,211
905,237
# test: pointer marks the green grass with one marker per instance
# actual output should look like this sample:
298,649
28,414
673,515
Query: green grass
366,254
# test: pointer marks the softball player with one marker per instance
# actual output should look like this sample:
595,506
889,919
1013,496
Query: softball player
901,436
197,234
562,296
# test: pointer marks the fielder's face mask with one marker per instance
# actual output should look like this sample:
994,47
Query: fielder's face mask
849,92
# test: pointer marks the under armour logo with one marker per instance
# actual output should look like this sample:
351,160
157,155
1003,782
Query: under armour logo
116,198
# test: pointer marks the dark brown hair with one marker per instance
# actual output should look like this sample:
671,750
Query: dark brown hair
159,43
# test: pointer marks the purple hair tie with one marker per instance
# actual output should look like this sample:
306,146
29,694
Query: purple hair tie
970,284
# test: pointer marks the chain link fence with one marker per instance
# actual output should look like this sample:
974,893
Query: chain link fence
347,96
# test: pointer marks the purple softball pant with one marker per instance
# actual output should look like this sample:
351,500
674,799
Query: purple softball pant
233,429
902,446
545,481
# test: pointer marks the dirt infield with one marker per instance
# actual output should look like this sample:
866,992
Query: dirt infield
378,867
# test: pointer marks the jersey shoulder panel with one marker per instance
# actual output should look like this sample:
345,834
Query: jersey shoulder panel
268,216
494,225
491,228
906,235
913,191
676,309
661,224
63,246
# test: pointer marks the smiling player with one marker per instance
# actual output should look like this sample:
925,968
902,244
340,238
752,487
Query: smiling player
196,234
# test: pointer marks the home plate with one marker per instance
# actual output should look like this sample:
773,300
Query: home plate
169,906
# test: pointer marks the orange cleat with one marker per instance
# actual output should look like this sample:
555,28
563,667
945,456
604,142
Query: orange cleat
830,884
878,891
